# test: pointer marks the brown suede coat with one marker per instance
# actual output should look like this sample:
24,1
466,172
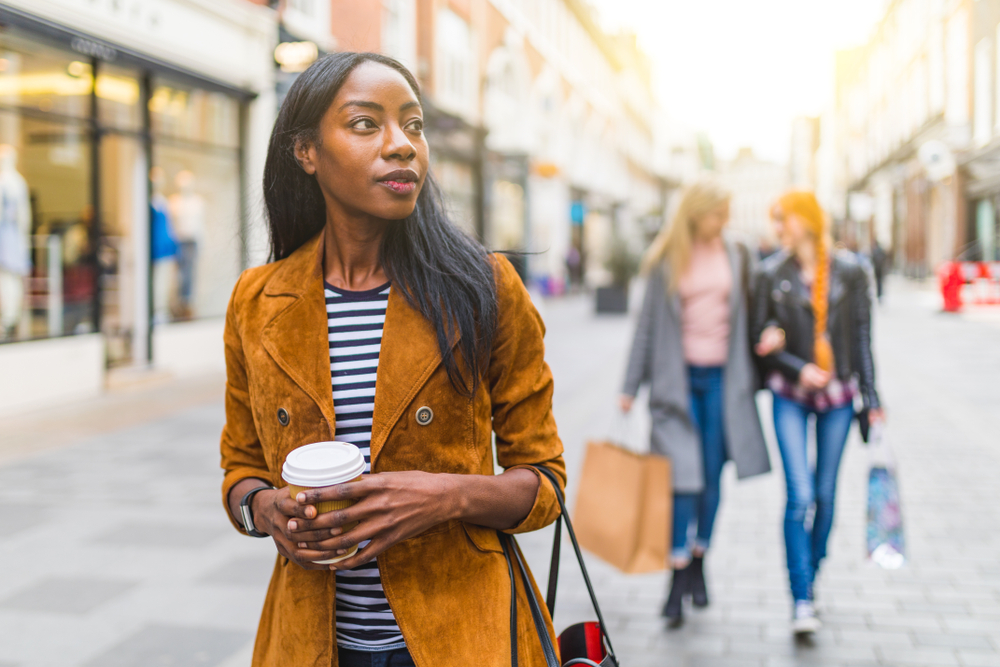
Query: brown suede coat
448,587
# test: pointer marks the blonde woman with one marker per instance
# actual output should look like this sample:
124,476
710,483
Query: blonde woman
812,321
693,349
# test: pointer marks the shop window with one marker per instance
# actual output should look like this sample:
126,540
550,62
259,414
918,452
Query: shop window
37,77
195,203
48,274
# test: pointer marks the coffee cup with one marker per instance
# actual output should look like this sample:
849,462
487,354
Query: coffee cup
324,464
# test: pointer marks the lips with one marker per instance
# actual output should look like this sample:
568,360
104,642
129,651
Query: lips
400,181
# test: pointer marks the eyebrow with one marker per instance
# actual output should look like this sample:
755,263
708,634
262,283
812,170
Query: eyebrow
375,105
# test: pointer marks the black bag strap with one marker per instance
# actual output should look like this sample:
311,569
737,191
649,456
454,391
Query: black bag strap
510,546
513,600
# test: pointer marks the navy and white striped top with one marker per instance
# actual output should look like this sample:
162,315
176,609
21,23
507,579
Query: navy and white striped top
355,321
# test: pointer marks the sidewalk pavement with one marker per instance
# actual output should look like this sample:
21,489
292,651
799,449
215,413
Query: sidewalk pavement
115,550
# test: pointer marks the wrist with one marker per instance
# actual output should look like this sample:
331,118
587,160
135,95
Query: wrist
258,508
456,503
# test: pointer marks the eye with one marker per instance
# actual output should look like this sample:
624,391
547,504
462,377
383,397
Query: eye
415,125
363,124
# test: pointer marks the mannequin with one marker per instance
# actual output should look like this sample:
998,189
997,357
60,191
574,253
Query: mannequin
15,240
187,210
164,249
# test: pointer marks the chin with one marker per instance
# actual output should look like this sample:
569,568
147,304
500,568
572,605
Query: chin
395,211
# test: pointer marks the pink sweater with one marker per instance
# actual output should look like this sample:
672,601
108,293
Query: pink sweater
704,291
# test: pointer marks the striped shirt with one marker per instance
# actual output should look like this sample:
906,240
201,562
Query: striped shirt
355,321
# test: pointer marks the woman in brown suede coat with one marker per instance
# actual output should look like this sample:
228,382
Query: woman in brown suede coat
354,217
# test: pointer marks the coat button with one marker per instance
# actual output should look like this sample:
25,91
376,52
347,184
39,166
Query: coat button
424,415
283,416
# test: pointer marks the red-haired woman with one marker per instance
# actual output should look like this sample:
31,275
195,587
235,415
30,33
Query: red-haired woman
812,321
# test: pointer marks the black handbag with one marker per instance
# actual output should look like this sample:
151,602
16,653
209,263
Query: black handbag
581,644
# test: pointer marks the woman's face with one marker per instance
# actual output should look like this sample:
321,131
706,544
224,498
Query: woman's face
372,157
790,229
710,225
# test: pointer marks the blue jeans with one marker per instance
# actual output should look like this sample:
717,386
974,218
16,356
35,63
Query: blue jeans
397,658
805,546
705,385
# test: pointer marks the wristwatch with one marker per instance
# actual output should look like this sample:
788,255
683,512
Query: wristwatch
247,513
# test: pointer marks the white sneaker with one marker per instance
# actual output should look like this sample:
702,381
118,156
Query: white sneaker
804,621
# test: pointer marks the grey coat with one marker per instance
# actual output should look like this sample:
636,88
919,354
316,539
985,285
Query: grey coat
658,358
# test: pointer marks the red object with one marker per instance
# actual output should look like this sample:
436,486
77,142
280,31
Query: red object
582,640
983,279
951,280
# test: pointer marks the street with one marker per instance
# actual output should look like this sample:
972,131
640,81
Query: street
115,549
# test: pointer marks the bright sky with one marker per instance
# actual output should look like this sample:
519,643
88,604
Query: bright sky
741,70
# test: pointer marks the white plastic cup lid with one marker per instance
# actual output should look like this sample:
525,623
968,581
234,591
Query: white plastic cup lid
323,464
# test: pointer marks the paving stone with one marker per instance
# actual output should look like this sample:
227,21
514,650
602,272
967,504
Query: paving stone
65,595
970,658
952,640
169,536
17,517
244,571
918,657
165,645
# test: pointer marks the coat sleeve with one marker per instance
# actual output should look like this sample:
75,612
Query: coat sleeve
640,359
242,455
763,316
520,385
861,291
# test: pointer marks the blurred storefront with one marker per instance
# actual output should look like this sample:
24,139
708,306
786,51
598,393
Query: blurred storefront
125,162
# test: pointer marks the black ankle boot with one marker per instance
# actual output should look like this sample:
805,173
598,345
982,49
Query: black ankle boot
699,592
680,585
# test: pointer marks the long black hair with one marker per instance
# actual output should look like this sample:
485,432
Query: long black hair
441,272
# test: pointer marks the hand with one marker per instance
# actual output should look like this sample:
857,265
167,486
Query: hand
772,339
813,378
391,507
876,416
273,511
625,403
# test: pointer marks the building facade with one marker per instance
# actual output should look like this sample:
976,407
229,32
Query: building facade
901,123
540,124
132,139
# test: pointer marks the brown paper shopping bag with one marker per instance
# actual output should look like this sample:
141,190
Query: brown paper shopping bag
623,507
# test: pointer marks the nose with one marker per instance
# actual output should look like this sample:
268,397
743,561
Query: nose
397,144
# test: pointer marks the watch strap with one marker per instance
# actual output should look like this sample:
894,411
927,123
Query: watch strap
247,513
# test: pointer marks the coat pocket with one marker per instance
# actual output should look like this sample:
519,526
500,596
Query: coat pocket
484,539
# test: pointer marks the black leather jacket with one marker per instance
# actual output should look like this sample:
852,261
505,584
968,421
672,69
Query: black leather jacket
781,299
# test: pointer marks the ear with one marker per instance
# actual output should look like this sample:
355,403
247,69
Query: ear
305,153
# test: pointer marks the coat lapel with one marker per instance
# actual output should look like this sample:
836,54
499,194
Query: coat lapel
296,336
408,356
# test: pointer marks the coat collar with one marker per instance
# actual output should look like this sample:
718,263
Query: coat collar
295,338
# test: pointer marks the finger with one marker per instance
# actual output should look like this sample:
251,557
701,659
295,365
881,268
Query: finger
366,555
346,491
290,508
327,520
309,555
288,551
315,535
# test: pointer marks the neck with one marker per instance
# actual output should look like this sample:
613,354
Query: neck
351,250
805,252
707,239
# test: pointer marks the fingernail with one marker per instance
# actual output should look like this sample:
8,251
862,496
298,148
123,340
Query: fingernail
293,525
341,552
302,545
300,498
333,567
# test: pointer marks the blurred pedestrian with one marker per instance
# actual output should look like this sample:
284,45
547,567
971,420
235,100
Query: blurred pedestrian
693,349
879,259
382,325
812,324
